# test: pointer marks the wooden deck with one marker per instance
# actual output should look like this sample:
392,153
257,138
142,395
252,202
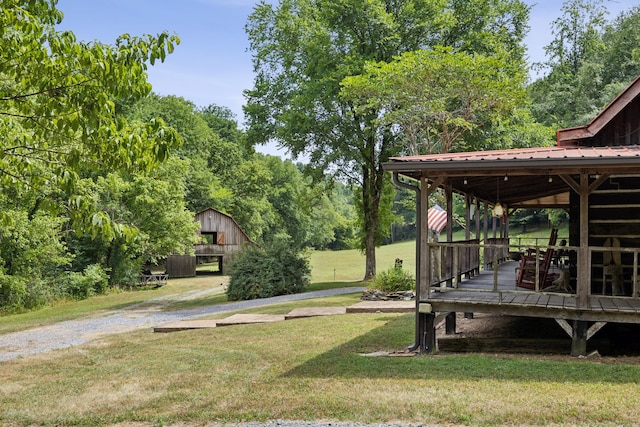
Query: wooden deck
478,294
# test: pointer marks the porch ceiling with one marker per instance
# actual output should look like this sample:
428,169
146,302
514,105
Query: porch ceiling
518,191
533,175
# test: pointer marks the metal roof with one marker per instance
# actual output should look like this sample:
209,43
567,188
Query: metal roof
573,156
535,177
527,177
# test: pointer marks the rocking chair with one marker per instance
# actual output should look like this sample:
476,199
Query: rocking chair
526,271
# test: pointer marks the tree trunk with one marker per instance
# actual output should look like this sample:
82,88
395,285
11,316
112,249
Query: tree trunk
373,177
370,255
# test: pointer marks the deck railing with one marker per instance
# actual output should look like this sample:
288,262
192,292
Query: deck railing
614,271
453,262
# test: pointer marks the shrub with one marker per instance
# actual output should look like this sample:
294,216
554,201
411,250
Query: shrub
18,293
261,273
92,281
13,291
394,279
39,293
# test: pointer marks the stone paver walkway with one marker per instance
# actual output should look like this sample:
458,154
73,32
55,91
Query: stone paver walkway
243,319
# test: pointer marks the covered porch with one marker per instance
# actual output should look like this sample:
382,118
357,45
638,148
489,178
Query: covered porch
495,291
598,186
593,173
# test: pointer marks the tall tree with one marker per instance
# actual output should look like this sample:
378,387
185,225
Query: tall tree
59,103
577,34
151,203
621,56
303,49
567,95
212,158
437,96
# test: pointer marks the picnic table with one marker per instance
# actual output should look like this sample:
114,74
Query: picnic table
154,280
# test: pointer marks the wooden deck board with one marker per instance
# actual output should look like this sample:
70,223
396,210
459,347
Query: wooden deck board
605,303
477,294
623,305
544,300
520,299
532,299
508,298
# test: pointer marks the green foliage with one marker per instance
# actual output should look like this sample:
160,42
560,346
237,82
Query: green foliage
303,49
59,110
265,272
620,59
13,291
395,279
385,217
35,262
94,280
32,246
438,96
588,63
333,218
154,205
213,159
20,293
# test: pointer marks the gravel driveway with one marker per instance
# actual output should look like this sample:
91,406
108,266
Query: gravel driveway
144,315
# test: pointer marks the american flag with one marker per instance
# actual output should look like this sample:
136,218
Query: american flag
436,218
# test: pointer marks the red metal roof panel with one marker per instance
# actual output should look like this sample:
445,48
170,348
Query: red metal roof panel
538,153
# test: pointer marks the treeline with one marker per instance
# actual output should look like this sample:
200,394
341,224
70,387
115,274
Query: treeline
589,62
101,178
44,258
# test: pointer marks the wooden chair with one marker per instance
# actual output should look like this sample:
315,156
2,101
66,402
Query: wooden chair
526,271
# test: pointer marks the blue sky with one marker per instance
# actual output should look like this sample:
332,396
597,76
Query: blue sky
212,63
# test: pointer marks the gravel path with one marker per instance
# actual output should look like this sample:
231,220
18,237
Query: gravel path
143,315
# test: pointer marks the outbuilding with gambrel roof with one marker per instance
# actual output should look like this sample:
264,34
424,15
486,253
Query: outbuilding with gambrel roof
220,239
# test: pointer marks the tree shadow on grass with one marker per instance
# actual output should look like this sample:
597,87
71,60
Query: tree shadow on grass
348,361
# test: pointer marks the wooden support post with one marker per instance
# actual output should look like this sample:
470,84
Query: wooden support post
424,321
452,273
486,234
425,252
579,338
450,325
454,263
634,292
467,222
467,216
583,284
494,226
477,214
428,328
476,206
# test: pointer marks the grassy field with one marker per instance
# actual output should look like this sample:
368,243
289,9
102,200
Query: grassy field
308,369
303,369
348,265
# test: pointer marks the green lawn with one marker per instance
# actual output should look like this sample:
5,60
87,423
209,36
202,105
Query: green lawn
308,369
302,369
348,265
